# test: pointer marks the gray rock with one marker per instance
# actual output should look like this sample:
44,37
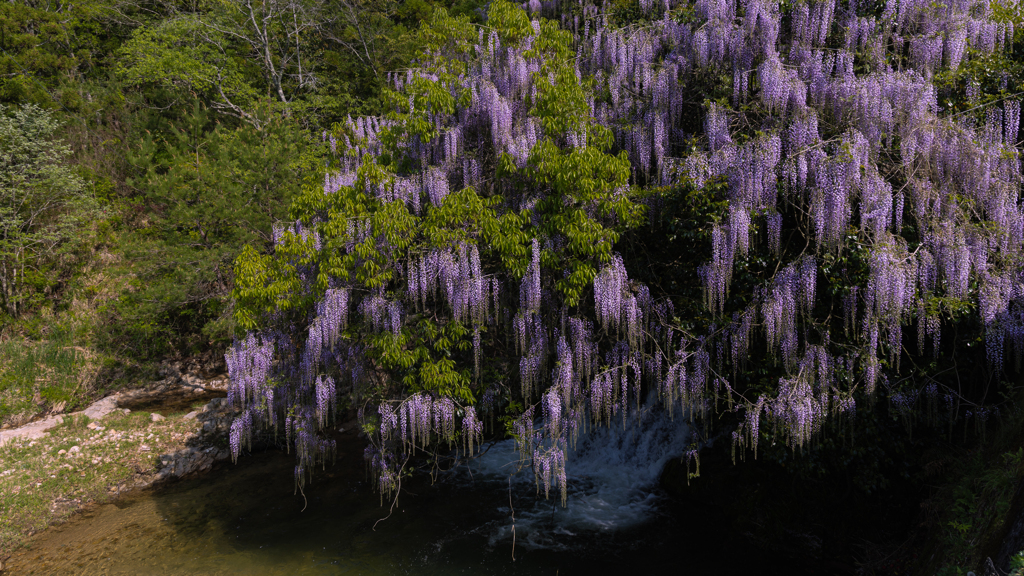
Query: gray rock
101,408
220,383
37,429
189,461
156,417
31,431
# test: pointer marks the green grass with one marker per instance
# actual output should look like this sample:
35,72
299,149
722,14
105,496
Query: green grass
48,375
44,481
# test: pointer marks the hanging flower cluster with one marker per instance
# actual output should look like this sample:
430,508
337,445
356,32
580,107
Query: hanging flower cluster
465,241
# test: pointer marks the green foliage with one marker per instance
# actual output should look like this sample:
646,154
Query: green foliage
969,510
249,60
331,58
626,12
211,194
586,201
1017,564
44,205
184,53
51,373
44,53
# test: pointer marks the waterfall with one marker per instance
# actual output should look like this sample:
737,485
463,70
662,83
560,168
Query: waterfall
612,475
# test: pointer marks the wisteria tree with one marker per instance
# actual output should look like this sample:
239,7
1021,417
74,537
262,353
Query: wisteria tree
458,262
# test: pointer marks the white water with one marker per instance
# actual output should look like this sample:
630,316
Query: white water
612,481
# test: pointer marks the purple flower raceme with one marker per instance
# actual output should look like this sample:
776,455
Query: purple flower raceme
838,162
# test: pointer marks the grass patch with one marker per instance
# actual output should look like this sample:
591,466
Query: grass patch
44,481
61,356
52,375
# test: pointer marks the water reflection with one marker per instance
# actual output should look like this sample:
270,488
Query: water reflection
245,519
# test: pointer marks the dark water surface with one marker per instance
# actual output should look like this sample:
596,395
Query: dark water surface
168,404
244,519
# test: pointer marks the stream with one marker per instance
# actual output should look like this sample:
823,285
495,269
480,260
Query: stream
479,519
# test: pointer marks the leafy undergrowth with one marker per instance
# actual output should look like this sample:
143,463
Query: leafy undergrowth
50,359
974,510
52,375
967,514
46,480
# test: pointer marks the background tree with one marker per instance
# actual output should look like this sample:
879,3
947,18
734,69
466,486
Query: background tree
45,209
215,53
210,192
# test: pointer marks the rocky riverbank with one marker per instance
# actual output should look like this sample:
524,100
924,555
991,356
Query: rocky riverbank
208,447
56,466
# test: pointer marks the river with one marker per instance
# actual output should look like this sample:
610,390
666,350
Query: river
244,518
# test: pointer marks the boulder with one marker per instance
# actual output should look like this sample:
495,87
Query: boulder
207,447
189,462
